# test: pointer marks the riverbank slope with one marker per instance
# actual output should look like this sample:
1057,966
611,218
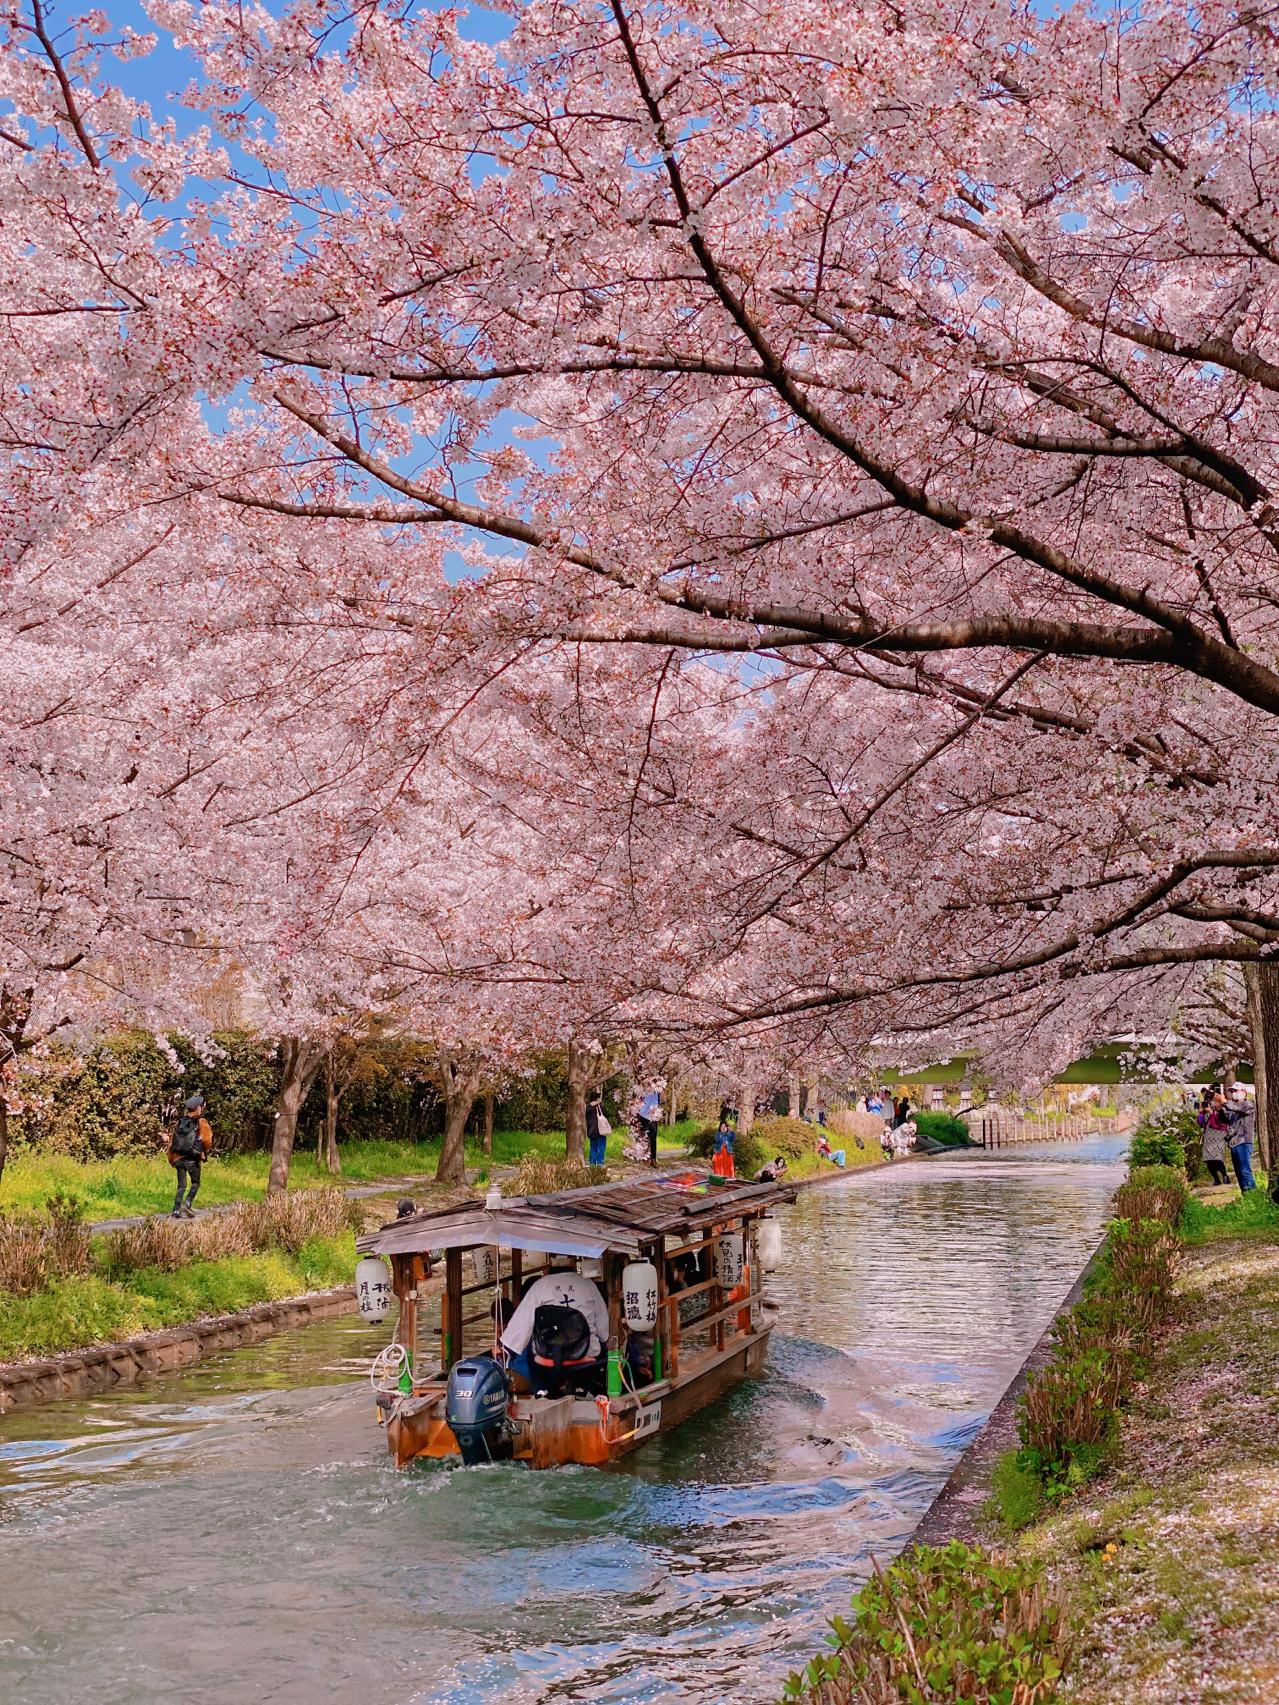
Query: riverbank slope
1142,1565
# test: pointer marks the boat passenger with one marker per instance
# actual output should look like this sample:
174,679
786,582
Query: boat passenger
562,1288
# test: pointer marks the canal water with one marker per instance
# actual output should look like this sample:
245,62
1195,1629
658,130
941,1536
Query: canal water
235,1533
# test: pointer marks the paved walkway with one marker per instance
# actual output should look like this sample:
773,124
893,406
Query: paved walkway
354,1192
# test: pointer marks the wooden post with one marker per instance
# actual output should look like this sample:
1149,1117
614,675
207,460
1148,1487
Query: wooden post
716,1293
613,1285
671,1328
453,1307
409,1313
660,1333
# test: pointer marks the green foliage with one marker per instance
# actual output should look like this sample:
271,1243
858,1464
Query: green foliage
779,1134
143,1185
1169,1136
238,1081
1158,1178
943,1626
1069,1408
943,1128
120,1098
1017,1493
1251,1215
91,1309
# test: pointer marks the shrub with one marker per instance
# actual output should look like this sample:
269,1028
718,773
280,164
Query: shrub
1069,1413
943,1625
749,1153
856,1126
289,1219
1069,1409
1170,1136
1016,1492
36,1250
538,1176
1141,1256
1152,1193
943,1128
161,1243
119,1097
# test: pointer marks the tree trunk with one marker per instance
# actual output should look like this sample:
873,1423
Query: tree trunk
488,1122
746,1103
4,1132
1263,1002
332,1095
461,1085
575,1113
300,1061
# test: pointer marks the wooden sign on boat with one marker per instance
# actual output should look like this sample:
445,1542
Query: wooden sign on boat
689,1237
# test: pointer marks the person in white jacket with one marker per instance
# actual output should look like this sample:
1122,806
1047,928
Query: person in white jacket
564,1288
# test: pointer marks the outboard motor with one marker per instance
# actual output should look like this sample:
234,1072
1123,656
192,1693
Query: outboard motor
475,1409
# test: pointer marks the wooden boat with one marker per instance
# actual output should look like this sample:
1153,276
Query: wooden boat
695,1229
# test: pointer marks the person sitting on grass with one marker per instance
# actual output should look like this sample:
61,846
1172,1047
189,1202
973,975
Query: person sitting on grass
191,1140
771,1171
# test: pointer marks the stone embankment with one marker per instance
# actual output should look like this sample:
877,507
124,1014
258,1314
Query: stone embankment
77,1373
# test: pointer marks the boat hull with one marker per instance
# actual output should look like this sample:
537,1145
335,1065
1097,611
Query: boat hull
592,1431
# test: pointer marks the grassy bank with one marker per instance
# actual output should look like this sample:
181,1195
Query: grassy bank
1170,1560
61,1288
1129,1549
90,1309
143,1184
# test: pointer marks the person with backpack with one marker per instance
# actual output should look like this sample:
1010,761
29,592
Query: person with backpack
562,1292
191,1140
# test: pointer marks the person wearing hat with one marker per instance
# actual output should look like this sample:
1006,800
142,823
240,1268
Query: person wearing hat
191,1140
1239,1118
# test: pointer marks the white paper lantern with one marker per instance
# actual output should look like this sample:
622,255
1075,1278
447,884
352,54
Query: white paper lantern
639,1295
373,1290
730,1262
768,1241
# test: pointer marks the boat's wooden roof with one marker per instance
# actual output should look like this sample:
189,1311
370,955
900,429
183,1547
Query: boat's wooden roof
622,1217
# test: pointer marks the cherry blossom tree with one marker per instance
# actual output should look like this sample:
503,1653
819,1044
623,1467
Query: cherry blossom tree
916,366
